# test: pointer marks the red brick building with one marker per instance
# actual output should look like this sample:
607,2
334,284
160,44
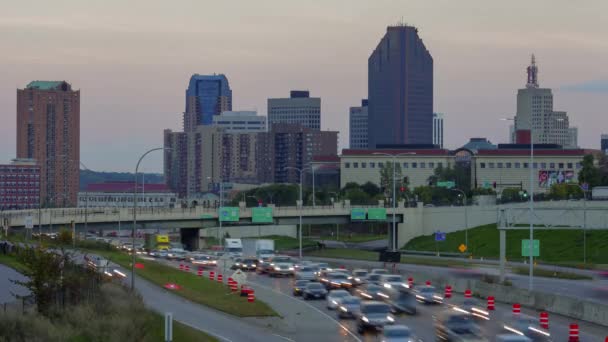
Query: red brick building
19,185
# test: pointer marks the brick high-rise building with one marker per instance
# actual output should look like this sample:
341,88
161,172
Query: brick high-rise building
20,185
48,130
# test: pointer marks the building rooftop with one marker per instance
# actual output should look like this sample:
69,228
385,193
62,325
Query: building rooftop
121,187
412,151
49,85
476,144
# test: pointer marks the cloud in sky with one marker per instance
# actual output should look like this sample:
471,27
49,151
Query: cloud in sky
594,86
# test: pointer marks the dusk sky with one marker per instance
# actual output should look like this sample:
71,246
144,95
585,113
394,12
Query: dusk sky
132,61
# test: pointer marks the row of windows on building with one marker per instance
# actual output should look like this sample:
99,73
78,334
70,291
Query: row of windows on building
518,165
128,199
407,165
18,177
16,170
18,191
9,183
18,199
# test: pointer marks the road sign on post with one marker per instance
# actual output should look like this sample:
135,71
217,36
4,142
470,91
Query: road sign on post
376,214
462,248
229,214
29,222
525,248
357,214
439,236
261,215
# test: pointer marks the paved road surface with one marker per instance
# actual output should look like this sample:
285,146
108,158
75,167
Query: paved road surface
7,287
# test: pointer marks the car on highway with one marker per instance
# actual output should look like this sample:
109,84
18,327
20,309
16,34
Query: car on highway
398,333
298,287
454,326
373,278
393,281
281,269
358,276
374,316
266,266
305,273
236,264
427,294
204,260
154,253
249,264
402,301
349,307
472,307
302,263
314,290
527,326
371,292
335,280
334,296
323,266
378,271
176,254
512,338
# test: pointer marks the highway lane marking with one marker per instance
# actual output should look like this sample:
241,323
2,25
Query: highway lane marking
283,337
310,306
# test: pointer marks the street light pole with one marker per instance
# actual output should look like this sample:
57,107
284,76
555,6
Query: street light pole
466,220
135,214
584,221
301,207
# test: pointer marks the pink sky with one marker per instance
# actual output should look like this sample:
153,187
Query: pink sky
132,61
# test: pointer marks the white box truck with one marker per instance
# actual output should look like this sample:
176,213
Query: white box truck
259,248
233,247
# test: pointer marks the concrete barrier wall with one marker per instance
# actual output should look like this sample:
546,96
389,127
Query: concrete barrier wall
251,231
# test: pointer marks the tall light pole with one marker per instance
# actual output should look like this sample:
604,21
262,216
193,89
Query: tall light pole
584,220
300,171
219,211
531,168
135,213
393,156
86,208
466,220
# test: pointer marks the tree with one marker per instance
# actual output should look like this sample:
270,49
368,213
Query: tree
589,173
386,176
370,188
460,174
357,196
565,191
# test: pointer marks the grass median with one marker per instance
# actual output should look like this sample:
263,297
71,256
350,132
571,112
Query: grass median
193,288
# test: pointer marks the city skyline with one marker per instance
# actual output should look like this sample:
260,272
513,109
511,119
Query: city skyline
133,73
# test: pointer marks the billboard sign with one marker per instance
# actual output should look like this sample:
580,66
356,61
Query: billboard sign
376,214
547,178
261,215
357,214
229,214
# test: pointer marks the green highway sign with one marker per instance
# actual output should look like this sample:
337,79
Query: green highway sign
261,215
376,214
525,248
206,216
229,214
447,184
357,214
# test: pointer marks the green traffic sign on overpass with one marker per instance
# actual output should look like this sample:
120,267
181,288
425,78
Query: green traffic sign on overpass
261,215
229,214
376,214
357,214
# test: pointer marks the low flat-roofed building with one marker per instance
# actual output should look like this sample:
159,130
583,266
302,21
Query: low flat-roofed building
120,194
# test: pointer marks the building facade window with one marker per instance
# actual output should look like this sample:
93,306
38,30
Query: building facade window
482,165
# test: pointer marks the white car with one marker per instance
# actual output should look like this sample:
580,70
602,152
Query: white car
378,271
334,297
393,281
305,273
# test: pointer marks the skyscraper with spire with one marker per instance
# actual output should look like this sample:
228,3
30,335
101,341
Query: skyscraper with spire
536,118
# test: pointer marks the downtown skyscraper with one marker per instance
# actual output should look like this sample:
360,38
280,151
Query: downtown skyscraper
400,90
48,130
206,97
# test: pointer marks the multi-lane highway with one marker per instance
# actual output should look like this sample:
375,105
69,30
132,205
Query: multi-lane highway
316,322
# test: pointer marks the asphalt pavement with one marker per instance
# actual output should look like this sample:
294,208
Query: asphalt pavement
7,288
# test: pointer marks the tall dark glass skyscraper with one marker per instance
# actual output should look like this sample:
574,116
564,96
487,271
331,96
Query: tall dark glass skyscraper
206,96
400,89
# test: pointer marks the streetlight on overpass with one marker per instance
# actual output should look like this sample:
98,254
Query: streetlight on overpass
300,171
393,156
135,213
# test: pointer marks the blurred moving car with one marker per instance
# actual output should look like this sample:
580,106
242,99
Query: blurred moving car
305,273
378,271
371,292
314,290
402,301
268,265
472,307
454,326
281,269
176,254
334,296
236,265
349,307
527,326
393,281
298,287
249,264
204,260
399,333
358,276
512,338
373,279
427,294
374,315
335,280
